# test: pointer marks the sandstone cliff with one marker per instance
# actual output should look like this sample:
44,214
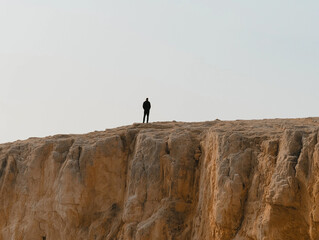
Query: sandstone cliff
243,180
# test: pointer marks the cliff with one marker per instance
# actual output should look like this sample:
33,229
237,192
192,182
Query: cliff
243,180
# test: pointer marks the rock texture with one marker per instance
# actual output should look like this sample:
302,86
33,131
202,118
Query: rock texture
243,180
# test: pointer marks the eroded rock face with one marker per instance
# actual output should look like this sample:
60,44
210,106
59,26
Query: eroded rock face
243,180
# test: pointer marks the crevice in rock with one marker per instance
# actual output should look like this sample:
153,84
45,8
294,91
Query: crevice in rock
3,166
246,189
167,150
315,138
198,154
124,141
79,152
300,146
240,224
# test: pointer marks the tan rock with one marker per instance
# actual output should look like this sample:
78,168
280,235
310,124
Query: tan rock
243,180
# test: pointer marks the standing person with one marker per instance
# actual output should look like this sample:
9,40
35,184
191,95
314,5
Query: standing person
146,107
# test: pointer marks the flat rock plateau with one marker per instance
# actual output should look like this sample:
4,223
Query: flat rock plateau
220,180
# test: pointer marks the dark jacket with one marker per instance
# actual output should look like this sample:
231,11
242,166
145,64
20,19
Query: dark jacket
146,106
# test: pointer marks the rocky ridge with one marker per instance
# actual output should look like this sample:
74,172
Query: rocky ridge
243,180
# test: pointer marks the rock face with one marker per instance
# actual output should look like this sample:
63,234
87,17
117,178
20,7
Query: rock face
243,180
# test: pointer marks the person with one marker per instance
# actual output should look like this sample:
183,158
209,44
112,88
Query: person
146,107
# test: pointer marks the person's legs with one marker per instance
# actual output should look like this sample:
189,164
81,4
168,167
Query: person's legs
148,114
144,117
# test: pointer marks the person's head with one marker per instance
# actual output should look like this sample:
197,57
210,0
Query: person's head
146,99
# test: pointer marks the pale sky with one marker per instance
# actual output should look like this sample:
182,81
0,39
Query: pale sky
76,66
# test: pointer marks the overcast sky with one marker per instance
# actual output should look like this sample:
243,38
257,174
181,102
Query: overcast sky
75,66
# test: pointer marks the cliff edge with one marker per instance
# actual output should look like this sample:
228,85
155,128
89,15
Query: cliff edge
242,180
